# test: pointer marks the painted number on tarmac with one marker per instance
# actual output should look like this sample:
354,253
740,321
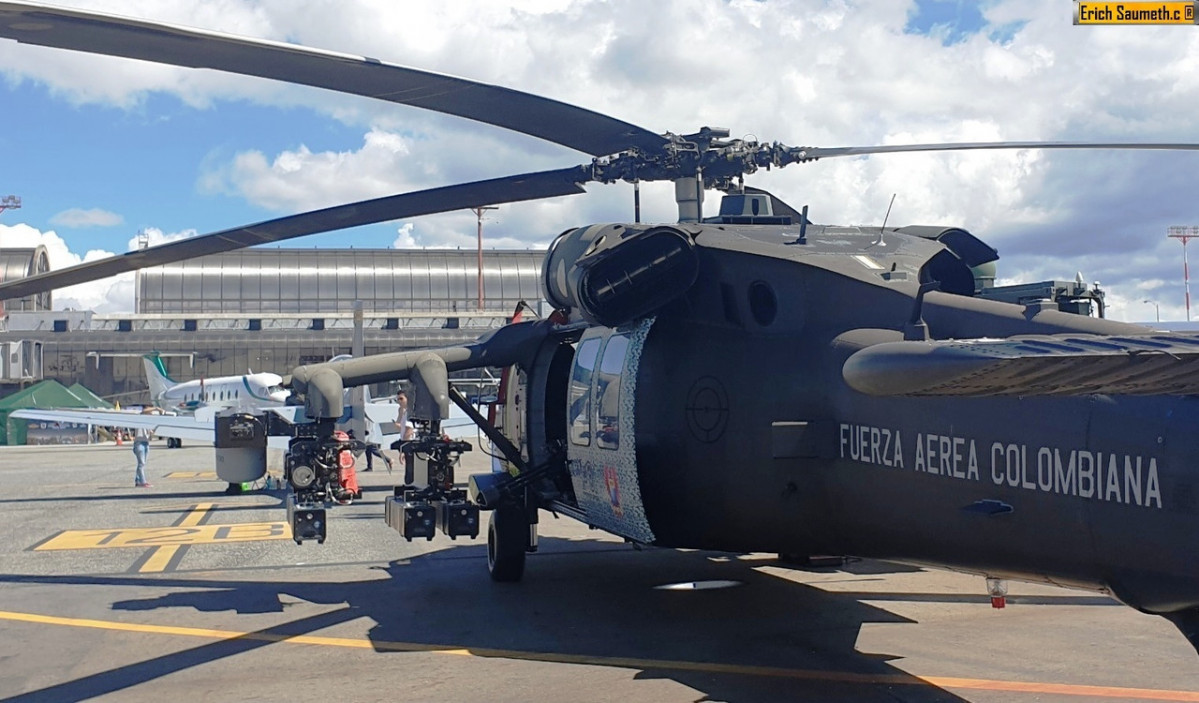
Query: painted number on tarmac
163,536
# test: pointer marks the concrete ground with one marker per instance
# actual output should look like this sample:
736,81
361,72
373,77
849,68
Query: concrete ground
109,592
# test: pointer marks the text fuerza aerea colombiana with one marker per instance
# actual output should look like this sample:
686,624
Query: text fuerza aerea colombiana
1131,479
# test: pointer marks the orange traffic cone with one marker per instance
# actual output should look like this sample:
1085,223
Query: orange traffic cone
118,433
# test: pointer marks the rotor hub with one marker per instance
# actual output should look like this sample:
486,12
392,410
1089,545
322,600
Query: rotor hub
721,163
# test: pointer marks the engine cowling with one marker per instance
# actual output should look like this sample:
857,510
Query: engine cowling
614,274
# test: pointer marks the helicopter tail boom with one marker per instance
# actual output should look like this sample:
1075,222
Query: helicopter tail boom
1066,364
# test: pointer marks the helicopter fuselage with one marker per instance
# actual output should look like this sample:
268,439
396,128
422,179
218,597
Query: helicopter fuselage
745,437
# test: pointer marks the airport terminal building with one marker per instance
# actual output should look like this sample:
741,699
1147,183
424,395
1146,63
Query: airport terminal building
262,309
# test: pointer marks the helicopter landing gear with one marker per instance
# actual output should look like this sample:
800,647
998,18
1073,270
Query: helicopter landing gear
507,543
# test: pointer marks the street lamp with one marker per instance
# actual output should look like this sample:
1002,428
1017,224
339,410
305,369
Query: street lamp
1184,235
479,214
1156,308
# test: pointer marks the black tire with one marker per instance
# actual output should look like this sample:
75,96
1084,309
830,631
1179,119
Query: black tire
507,542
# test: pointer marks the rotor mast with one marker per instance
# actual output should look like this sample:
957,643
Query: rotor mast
694,163
689,197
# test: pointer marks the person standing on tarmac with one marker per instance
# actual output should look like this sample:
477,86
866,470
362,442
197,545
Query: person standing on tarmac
141,449
402,417
406,433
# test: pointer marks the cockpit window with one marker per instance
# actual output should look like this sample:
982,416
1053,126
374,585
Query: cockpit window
579,417
607,393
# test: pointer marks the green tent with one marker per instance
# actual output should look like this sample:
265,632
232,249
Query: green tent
84,394
45,394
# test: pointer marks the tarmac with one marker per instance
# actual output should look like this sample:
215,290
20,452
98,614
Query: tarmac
178,592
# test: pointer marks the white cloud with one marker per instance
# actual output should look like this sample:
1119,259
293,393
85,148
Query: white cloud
110,295
154,236
404,238
79,218
829,74
301,180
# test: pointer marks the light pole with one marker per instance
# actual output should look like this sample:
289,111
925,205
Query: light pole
479,215
1156,308
8,202
1184,234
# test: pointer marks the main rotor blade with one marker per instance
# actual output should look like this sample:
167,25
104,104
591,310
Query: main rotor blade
817,152
510,189
98,33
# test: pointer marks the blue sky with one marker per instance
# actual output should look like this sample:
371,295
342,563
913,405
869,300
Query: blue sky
954,20
147,164
131,145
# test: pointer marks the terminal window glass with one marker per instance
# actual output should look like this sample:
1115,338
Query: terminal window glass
579,417
607,393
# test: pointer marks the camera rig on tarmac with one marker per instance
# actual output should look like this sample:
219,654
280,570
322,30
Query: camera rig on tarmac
429,501
319,469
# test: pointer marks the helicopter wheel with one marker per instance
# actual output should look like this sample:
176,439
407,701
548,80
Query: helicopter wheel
507,541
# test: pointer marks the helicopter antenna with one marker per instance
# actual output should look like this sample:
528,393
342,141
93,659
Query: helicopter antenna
636,201
879,242
916,330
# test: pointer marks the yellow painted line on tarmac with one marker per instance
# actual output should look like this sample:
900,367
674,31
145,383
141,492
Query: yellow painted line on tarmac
166,536
161,557
192,474
166,544
1031,687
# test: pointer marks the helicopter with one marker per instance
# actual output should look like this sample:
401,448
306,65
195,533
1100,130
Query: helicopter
748,381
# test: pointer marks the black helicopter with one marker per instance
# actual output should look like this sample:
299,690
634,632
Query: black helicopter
748,381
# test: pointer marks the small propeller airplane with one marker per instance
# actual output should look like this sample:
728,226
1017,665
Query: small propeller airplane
749,381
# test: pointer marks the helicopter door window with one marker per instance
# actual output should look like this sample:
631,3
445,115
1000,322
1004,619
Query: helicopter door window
579,417
607,393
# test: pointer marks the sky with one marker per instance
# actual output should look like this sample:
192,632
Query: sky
100,149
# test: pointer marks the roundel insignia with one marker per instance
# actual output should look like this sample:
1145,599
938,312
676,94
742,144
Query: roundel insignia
707,409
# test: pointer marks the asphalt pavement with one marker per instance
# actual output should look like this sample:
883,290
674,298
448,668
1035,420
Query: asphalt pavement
110,592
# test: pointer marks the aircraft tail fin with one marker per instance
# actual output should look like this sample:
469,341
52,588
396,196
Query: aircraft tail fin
156,376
